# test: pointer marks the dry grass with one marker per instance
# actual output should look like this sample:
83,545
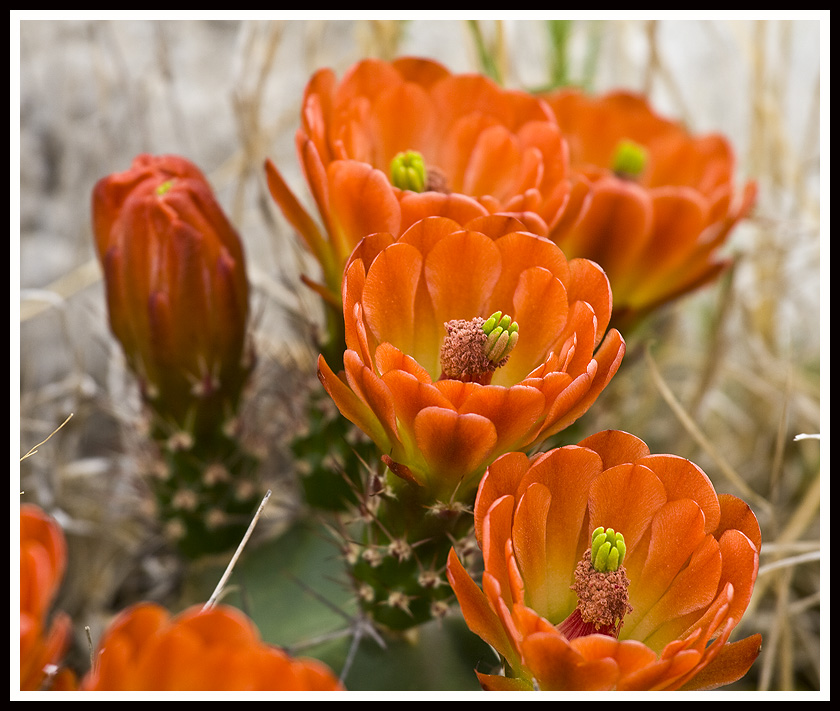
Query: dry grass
728,379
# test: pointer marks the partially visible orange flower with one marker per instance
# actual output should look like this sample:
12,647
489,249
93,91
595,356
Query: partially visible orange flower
657,617
416,379
176,284
482,149
43,560
650,202
218,649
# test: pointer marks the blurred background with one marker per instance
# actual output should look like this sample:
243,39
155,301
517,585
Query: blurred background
729,377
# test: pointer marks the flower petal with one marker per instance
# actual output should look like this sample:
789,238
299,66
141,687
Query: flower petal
477,612
452,444
732,662
389,293
560,666
460,272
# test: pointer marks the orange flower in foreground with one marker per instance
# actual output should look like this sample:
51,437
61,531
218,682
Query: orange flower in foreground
419,376
657,615
176,284
218,649
43,560
463,147
650,203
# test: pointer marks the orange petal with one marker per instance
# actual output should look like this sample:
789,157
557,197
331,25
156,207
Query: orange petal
691,592
362,202
626,498
373,392
461,271
388,295
568,473
611,202
351,406
454,446
456,392
502,479
420,70
520,251
455,206
496,533
589,283
494,164
731,663
294,212
514,412
478,614
737,515
684,479
388,358
369,247
576,342
411,395
616,447
739,567
676,531
608,358
559,666
412,132
540,307
529,543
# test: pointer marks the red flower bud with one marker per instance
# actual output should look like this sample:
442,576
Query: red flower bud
175,282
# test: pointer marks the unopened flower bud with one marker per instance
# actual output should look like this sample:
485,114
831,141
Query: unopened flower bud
176,286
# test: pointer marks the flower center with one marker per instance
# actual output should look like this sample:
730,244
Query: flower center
601,585
409,172
473,349
629,160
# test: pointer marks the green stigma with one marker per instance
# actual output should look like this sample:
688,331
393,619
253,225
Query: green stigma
629,159
164,188
408,172
608,550
502,334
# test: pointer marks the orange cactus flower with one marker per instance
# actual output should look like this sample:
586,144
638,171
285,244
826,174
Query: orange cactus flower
175,282
646,603
426,373
43,560
393,141
651,203
217,649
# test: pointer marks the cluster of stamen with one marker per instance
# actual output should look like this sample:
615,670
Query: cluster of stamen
602,586
473,349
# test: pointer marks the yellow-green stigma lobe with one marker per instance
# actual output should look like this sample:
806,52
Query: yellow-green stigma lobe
502,334
629,160
608,550
408,172
164,188
473,349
